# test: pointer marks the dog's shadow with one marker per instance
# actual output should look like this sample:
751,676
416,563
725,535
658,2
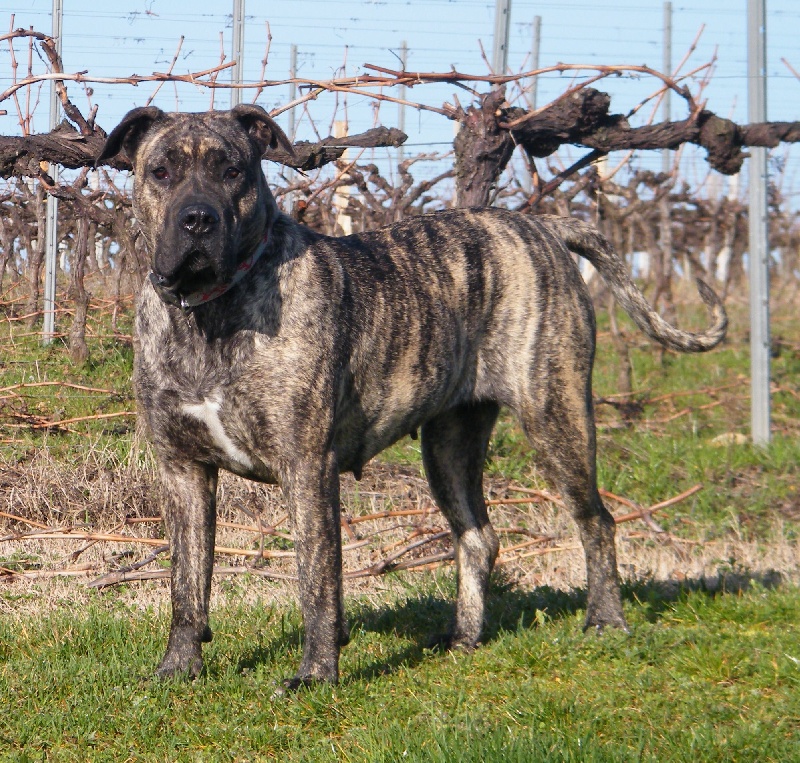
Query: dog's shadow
421,622
421,619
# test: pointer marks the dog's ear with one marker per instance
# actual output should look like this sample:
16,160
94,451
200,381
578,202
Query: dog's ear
127,135
261,128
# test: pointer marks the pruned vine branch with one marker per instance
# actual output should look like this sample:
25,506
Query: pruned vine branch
23,156
581,116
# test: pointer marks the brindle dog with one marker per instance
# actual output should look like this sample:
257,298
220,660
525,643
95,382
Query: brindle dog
286,356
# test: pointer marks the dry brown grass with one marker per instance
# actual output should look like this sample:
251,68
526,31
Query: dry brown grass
389,516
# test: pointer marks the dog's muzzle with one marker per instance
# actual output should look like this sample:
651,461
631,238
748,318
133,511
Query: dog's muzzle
171,296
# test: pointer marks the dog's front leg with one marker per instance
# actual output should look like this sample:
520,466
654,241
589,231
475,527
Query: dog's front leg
189,511
312,491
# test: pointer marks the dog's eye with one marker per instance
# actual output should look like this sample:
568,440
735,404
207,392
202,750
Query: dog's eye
161,173
232,173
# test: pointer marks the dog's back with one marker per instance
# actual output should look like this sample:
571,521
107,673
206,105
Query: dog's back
463,306
446,309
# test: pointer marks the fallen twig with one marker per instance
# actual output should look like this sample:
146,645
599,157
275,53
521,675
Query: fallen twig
392,553
62,534
684,412
539,552
639,513
514,501
95,417
26,385
25,521
690,392
386,564
163,574
526,544
120,575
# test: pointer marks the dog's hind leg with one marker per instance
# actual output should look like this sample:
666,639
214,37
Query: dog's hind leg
189,512
454,448
559,424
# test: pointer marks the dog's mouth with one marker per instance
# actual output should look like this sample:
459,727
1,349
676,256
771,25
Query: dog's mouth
201,276
196,273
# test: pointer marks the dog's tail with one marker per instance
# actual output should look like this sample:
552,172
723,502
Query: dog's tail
583,239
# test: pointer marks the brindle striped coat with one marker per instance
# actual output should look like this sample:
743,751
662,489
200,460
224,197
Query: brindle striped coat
330,349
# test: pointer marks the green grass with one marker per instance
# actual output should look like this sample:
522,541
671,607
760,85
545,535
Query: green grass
48,375
702,677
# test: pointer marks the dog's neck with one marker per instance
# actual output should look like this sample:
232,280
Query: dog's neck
188,301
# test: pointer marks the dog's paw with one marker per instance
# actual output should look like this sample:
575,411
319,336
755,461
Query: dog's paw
179,668
290,686
448,642
183,661
599,628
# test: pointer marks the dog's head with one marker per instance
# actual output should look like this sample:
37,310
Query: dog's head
199,195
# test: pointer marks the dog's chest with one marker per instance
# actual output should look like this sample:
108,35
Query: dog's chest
198,399
208,413
218,425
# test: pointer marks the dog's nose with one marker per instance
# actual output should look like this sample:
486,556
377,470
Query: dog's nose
199,219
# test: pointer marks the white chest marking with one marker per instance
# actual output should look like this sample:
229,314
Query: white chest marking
207,412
